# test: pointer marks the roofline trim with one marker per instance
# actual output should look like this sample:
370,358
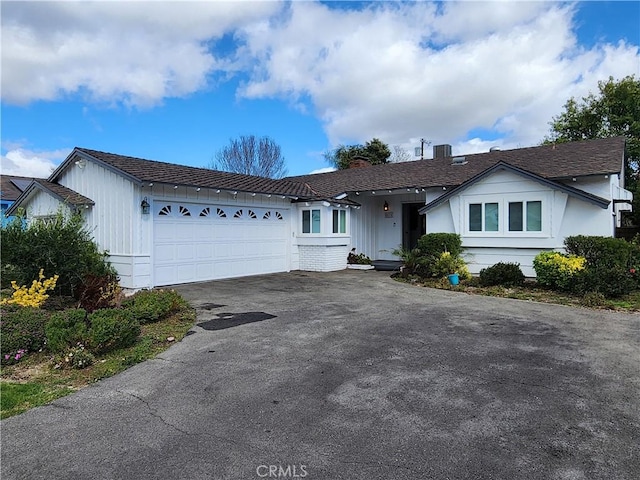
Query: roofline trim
36,185
574,192
86,156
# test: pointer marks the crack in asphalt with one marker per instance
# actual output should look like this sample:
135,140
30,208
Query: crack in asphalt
155,414
169,361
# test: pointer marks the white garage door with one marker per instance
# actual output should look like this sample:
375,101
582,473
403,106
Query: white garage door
206,242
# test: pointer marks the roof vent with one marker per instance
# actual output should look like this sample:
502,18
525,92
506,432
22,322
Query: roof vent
459,161
441,151
494,149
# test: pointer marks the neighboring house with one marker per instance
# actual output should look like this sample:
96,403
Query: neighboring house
165,224
10,189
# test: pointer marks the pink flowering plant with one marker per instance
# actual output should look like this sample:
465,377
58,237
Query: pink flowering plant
14,357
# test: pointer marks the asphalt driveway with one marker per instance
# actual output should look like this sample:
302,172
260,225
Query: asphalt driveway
351,375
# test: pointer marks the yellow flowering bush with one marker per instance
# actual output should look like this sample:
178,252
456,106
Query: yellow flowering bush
35,295
447,264
556,270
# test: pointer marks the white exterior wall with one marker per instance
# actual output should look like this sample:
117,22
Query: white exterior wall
377,233
114,220
562,216
363,227
41,204
325,251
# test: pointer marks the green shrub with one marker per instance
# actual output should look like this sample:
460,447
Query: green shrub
148,306
112,329
433,244
502,273
556,270
602,251
66,329
611,281
611,265
21,328
413,262
63,246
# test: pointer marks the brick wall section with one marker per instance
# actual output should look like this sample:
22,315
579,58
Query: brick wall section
323,258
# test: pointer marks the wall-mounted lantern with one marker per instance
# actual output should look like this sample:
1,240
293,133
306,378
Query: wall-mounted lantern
385,207
145,206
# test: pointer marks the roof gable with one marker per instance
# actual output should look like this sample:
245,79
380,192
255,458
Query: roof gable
59,192
571,191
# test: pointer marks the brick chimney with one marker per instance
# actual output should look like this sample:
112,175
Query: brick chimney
359,161
441,151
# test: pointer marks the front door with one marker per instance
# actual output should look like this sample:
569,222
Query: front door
414,225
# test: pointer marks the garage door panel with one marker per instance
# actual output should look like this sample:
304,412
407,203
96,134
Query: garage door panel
164,253
204,251
197,248
185,252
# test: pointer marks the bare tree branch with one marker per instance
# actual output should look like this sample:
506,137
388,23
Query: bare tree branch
252,156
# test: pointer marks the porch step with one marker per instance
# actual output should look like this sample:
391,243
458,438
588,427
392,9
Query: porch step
387,265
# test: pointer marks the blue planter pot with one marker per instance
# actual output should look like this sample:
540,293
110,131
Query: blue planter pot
454,279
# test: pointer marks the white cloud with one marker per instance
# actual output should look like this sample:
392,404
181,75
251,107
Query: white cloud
137,53
392,70
386,71
28,163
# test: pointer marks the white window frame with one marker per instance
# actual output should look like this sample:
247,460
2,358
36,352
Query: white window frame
340,212
310,232
503,202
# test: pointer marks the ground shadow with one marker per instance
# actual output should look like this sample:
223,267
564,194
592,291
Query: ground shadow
228,320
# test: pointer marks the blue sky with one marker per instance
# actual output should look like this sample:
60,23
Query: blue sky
174,81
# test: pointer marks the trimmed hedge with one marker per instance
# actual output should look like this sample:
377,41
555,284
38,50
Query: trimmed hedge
149,306
112,329
502,273
603,251
22,328
66,329
433,244
611,264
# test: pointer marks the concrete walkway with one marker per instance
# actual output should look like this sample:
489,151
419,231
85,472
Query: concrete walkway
351,375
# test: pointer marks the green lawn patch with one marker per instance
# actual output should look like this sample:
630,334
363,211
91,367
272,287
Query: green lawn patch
39,378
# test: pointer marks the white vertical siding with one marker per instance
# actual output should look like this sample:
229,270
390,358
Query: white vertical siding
377,233
111,220
43,204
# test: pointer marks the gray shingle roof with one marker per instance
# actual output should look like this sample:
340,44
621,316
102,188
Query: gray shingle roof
11,186
65,194
151,171
553,162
